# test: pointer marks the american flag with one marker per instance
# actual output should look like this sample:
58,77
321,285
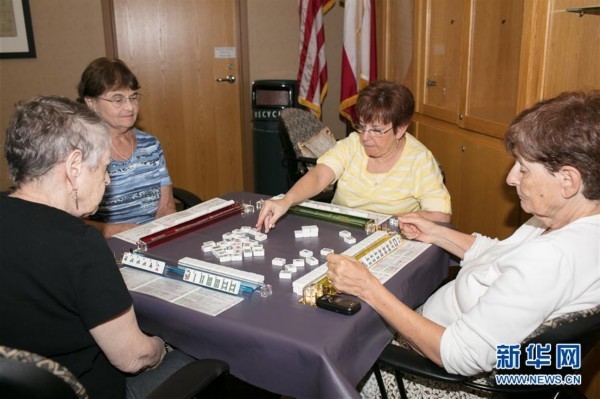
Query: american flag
359,57
312,69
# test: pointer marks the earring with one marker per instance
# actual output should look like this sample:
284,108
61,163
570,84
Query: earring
76,199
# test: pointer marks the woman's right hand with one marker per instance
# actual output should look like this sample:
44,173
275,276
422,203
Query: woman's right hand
309,185
270,213
416,227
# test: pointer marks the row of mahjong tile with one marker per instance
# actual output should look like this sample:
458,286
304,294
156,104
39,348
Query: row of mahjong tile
237,245
313,231
307,231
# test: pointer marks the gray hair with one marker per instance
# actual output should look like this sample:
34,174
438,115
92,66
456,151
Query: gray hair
45,130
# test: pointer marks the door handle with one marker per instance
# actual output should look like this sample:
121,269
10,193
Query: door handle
228,79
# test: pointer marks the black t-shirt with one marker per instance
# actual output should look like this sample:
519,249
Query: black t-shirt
58,280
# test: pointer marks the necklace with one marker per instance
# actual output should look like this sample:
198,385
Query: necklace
130,148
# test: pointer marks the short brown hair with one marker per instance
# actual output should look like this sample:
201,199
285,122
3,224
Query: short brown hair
103,75
561,131
385,102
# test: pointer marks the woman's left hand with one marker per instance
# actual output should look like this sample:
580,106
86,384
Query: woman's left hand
348,275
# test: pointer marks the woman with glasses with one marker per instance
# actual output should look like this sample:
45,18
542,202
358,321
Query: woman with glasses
380,167
140,188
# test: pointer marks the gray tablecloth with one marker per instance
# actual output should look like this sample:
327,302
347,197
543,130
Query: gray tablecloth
275,342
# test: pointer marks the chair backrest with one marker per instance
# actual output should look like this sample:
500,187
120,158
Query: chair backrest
185,199
299,126
574,328
578,327
573,324
304,138
28,375
581,327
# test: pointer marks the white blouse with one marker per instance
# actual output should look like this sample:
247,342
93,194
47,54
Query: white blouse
506,289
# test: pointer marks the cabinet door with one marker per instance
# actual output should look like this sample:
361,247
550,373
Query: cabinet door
488,204
476,167
445,147
572,49
445,25
492,79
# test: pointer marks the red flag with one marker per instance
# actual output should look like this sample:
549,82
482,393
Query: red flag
312,69
359,57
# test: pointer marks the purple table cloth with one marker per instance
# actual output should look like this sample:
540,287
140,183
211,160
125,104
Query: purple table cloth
275,342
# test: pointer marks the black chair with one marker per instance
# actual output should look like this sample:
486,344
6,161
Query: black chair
27,375
578,327
304,138
185,199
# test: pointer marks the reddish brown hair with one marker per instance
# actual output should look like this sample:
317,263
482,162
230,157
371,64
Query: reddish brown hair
103,75
385,102
561,131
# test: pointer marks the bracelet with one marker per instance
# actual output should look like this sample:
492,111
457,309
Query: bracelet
168,348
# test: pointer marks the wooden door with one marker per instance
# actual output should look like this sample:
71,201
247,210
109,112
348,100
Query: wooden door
177,49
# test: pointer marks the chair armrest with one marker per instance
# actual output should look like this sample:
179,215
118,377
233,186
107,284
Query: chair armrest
411,362
310,161
305,160
190,379
187,198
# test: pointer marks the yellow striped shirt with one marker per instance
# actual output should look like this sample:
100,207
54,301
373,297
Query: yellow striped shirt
414,183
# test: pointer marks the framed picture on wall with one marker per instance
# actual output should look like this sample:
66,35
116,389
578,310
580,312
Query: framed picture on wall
16,33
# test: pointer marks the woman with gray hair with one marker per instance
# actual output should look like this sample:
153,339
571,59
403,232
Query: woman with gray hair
63,296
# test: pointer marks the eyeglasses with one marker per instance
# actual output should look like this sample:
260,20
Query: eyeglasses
118,101
373,132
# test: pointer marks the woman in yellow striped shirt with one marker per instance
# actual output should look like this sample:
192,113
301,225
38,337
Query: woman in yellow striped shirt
379,167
